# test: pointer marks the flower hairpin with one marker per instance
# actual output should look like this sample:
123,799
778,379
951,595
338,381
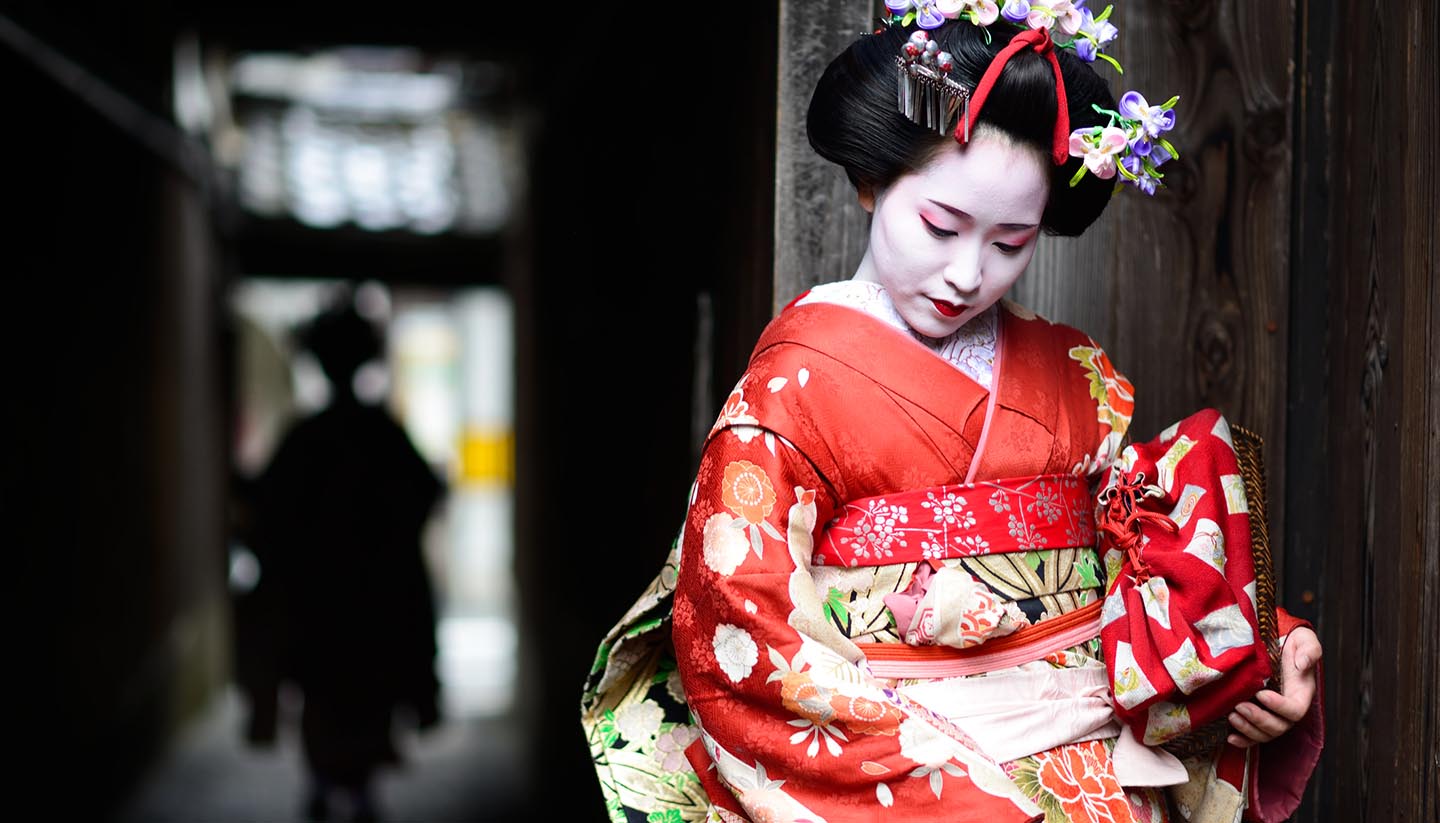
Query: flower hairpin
1071,24
1130,146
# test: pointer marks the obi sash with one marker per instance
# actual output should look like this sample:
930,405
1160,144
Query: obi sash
1047,511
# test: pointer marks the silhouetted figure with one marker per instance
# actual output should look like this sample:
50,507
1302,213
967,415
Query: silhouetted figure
344,607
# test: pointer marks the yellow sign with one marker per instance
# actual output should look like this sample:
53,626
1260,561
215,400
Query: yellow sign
487,456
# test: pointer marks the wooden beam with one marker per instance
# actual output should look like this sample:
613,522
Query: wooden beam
820,229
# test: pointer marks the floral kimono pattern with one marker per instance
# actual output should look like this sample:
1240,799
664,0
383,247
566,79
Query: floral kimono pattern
737,688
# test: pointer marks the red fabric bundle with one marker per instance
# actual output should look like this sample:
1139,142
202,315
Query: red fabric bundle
1179,628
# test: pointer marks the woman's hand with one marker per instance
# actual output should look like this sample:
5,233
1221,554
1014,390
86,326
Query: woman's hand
1276,711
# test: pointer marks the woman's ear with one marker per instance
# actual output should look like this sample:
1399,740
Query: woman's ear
866,193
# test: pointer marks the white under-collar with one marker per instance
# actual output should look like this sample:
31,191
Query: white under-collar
971,348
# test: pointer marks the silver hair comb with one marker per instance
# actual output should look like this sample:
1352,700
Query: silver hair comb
926,93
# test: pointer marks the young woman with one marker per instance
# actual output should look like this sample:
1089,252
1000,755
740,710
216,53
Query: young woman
887,593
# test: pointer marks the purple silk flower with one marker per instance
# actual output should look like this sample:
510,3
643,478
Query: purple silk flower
1092,36
926,15
1016,11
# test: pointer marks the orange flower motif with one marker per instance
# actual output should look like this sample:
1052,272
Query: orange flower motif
748,492
862,715
801,695
1077,775
1114,395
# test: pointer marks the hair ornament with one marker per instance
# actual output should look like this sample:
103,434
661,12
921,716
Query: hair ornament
927,94
1129,147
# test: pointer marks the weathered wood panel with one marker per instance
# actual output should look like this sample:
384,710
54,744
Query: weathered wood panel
1381,593
1188,290
820,229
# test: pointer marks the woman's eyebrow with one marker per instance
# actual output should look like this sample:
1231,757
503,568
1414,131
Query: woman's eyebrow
964,216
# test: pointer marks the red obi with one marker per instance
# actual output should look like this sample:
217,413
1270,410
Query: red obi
1048,511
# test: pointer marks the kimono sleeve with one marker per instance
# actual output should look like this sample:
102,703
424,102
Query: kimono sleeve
792,726
1283,767
1114,397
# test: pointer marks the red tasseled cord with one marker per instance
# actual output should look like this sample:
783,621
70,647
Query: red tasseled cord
1121,518
1038,40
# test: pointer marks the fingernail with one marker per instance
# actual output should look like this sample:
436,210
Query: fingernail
1303,661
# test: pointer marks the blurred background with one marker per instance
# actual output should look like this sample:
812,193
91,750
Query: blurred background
541,210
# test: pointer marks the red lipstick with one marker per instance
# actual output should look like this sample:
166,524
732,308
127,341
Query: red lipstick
947,309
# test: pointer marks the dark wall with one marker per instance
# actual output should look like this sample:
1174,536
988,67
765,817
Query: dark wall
114,482
1369,399
644,197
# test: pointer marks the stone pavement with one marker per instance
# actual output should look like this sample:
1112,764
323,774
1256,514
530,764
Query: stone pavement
465,771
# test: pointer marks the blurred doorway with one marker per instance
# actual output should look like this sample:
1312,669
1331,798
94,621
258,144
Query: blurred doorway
447,377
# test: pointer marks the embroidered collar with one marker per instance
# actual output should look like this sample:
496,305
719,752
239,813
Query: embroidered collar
971,348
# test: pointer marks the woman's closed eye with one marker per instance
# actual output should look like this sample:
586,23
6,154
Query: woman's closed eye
935,230
1007,248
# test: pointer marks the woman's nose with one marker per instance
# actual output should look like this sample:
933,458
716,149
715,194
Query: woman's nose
963,272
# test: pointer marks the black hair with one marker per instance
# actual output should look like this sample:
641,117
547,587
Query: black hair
853,120
341,338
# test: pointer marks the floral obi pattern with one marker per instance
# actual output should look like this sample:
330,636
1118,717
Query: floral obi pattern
1019,514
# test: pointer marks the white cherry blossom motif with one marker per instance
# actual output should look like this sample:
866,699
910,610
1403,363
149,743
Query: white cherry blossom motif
925,744
745,433
735,414
1026,537
639,721
725,546
735,651
735,410
752,786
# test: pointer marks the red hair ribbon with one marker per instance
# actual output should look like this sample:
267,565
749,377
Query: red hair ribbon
1038,40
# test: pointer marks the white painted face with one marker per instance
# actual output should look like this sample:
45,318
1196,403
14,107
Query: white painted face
948,241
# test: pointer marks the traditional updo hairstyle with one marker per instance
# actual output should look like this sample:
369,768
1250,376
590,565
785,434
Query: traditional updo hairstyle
853,120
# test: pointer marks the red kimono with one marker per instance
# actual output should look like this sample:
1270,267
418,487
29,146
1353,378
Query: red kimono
852,478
